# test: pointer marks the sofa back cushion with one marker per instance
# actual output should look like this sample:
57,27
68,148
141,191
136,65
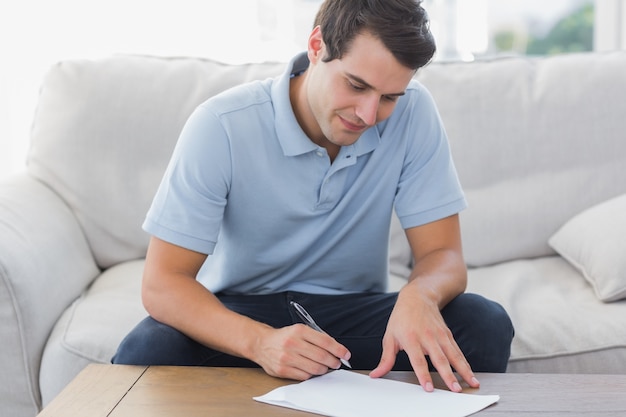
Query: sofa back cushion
104,132
535,141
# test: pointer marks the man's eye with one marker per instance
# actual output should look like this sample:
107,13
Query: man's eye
356,87
390,98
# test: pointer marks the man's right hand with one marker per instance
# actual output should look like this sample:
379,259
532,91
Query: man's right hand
297,352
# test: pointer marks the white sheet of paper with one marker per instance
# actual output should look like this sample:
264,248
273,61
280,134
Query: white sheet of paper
345,393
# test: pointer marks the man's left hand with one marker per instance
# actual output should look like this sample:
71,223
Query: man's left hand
417,327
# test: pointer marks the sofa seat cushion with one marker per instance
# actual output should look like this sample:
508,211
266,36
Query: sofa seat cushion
561,326
593,242
91,329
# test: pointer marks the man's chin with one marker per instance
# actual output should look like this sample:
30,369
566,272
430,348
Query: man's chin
345,142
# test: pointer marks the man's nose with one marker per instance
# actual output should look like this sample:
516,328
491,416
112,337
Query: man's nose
367,110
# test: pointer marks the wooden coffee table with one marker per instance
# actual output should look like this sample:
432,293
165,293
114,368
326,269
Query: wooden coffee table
139,391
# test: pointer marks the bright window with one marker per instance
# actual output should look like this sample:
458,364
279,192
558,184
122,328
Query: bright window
470,29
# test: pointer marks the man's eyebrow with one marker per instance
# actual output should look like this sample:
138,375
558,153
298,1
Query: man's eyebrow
366,84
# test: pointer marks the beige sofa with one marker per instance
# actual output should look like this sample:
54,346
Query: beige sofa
540,146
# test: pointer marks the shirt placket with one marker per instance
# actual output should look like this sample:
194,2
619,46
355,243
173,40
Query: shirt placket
333,185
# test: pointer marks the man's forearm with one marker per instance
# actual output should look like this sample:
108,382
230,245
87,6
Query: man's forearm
441,274
189,307
439,269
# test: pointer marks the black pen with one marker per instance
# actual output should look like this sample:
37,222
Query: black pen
306,318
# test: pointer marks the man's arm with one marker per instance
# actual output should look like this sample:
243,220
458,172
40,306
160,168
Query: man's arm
172,295
416,325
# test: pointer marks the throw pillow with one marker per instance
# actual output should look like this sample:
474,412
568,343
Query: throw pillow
594,242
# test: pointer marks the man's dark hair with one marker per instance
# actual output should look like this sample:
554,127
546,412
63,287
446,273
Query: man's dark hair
401,25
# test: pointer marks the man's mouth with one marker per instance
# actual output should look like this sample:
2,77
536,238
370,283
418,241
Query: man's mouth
354,127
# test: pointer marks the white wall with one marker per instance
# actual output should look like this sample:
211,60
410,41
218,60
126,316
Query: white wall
35,34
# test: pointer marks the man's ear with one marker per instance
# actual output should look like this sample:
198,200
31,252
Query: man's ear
315,46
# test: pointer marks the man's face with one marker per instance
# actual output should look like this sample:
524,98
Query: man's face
349,95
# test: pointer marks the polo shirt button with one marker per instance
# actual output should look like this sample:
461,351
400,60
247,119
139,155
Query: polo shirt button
319,153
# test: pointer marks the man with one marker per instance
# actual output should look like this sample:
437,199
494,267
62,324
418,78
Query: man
282,190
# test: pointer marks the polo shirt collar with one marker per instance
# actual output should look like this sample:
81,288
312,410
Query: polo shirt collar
292,138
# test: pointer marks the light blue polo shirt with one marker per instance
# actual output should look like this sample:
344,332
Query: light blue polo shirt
248,187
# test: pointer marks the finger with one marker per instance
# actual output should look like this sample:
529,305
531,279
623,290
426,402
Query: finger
289,373
420,367
300,367
288,363
442,365
319,360
459,363
387,360
292,355
322,348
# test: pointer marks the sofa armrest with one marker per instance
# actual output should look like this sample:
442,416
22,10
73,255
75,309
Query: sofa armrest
45,263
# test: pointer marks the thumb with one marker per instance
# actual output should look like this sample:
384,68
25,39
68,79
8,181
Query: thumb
387,360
